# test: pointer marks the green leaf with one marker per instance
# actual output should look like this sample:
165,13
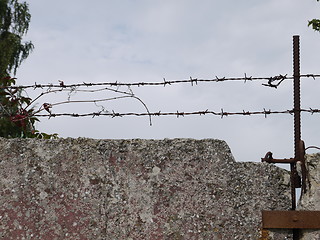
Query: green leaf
315,24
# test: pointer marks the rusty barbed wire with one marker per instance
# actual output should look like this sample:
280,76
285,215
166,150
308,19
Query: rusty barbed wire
47,106
221,113
114,87
273,81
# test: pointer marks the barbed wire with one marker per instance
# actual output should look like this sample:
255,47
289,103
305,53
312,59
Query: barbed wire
22,113
221,113
178,114
115,87
273,81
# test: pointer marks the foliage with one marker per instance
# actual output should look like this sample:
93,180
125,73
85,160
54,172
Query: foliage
17,116
315,23
14,23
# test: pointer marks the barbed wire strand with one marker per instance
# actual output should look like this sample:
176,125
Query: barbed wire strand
192,81
222,113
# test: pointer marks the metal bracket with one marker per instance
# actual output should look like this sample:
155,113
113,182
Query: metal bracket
297,180
291,219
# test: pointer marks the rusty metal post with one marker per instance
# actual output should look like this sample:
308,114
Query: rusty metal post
297,123
294,220
296,89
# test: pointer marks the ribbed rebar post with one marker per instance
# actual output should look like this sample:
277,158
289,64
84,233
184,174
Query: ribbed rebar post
296,98
297,122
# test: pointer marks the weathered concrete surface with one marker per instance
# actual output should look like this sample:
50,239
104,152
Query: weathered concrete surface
134,189
311,200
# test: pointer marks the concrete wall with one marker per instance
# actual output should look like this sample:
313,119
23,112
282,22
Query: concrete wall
135,189
311,200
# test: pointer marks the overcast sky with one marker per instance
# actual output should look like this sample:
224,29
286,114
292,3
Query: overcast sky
146,41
